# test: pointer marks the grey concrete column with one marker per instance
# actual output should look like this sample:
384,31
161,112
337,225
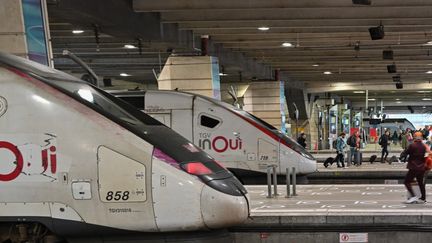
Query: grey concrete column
266,100
196,74
12,33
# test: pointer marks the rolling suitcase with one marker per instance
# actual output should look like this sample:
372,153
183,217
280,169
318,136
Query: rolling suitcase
393,159
328,161
372,159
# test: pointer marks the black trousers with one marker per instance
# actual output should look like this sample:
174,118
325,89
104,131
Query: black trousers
419,175
340,158
384,152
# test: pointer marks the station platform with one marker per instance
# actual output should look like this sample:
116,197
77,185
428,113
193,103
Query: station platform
366,173
323,155
326,212
367,152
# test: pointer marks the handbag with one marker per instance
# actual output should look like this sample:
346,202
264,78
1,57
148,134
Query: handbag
428,163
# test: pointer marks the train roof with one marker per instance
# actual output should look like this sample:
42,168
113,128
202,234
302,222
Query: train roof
37,69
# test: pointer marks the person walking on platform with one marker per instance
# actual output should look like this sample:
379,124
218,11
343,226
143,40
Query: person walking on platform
416,168
384,142
340,146
404,145
425,132
302,140
395,137
409,136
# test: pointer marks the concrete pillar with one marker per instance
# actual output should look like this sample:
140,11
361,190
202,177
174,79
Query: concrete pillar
313,129
12,34
195,74
24,30
266,100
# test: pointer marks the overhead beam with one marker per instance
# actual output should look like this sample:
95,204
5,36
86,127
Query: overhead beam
248,66
335,86
397,22
114,17
176,5
378,13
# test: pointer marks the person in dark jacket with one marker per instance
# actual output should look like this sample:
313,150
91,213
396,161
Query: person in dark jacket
416,168
395,137
302,140
384,142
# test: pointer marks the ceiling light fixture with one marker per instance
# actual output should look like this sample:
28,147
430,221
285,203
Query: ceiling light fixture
424,91
426,99
315,65
223,74
398,102
397,99
359,92
129,46
327,72
263,28
372,99
424,107
125,75
77,31
377,33
429,43
429,72
287,44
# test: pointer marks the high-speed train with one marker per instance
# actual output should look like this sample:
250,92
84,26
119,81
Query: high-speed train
242,142
76,161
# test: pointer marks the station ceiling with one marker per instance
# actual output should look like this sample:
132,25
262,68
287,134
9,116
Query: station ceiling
327,46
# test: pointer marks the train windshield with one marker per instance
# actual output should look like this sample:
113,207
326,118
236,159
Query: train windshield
137,122
103,102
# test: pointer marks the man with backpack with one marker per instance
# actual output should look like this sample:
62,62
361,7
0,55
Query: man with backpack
354,143
384,142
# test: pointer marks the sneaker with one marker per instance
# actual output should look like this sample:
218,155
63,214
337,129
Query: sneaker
421,201
411,200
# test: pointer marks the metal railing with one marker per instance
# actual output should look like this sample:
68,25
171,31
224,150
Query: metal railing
291,181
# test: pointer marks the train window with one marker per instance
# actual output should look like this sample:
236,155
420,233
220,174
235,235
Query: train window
136,101
207,121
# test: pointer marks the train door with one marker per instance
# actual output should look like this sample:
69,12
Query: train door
268,154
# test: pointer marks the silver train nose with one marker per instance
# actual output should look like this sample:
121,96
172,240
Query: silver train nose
221,210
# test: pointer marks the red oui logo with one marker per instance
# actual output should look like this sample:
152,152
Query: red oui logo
220,144
18,159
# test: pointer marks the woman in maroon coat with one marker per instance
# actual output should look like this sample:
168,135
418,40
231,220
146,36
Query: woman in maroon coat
416,168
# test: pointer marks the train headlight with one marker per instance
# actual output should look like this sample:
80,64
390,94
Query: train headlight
196,168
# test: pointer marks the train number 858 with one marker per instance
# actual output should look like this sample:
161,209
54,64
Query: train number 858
117,196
